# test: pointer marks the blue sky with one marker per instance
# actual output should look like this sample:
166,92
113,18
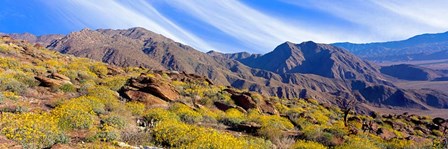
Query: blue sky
256,26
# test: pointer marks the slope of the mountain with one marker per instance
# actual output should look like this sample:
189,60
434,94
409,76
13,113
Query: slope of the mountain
42,40
420,47
306,70
412,72
319,59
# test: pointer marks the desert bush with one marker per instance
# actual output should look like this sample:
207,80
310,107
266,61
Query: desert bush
106,134
358,142
137,138
232,117
302,144
159,114
210,115
12,85
114,83
272,126
114,121
180,135
185,113
399,144
32,130
136,108
9,95
78,113
100,69
9,63
67,88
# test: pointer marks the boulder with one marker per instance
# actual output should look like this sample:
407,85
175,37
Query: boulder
61,77
152,86
145,98
222,106
48,82
268,107
244,101
162,91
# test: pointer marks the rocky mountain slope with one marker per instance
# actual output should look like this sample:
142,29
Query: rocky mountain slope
420,47
53,100
306,70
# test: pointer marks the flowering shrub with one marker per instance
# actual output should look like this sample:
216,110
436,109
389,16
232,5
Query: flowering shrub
185,113
78,113
233,117
302,144
136,108
159,114
114,83
32,130
181,135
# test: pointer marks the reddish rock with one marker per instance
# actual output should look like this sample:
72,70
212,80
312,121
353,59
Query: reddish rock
151,86
58,76
267,107
48,82
146,98
244,101
163,91
222,106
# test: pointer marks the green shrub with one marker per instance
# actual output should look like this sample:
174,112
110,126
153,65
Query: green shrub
67,87
107,134
114,121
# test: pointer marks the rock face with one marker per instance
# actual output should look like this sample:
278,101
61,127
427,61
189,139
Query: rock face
305,70
246,101
54,80
149,90
146,98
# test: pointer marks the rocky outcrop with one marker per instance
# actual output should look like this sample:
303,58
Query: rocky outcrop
147,89
54,80
246,101
148,99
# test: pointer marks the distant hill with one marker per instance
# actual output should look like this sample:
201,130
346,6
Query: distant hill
420,47
414,73
43,40
305,70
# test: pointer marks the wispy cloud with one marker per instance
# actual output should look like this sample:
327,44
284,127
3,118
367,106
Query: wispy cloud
122,14
253,27
386,20
256,29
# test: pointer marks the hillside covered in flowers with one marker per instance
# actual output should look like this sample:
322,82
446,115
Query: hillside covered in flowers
52,100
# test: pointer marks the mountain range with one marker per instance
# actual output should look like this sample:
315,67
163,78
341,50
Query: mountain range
420,47
306,70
